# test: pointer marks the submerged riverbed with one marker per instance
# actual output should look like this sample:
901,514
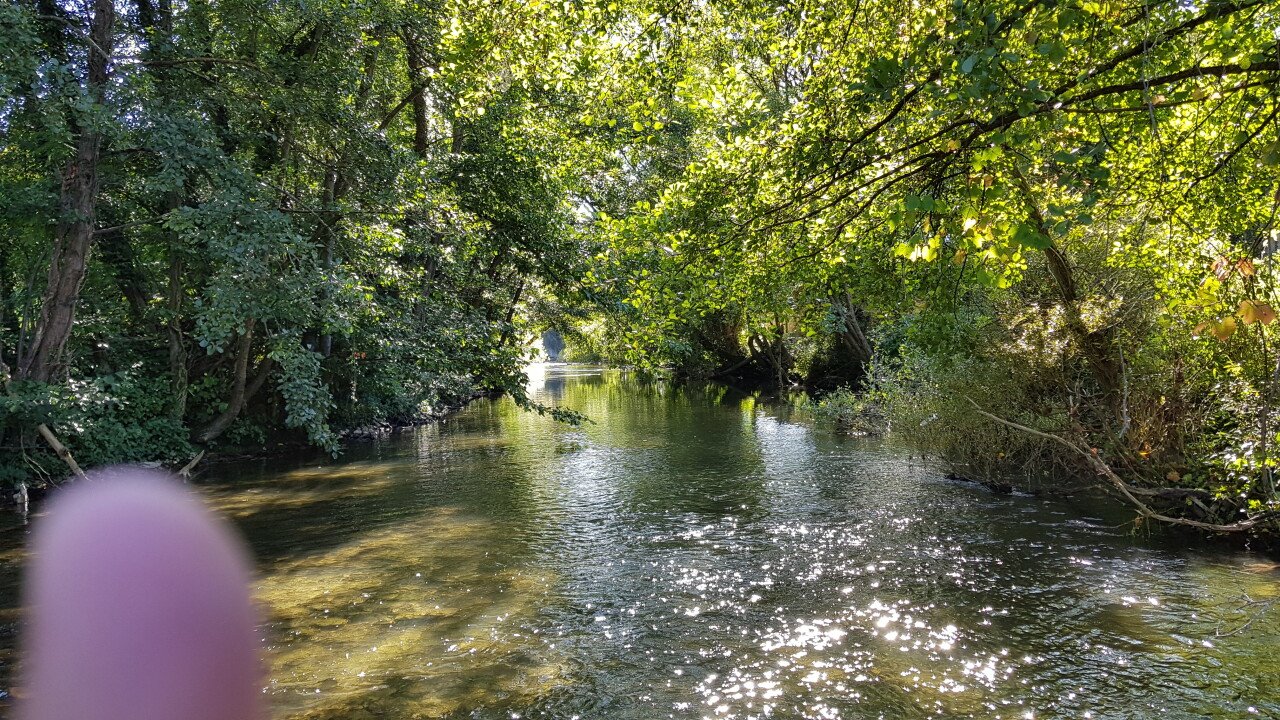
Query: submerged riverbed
697,553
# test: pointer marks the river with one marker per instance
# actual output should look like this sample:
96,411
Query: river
699,553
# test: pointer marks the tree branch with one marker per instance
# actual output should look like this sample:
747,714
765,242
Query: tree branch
1096,462
58,448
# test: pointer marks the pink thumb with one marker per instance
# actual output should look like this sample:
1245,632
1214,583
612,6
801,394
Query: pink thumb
140,608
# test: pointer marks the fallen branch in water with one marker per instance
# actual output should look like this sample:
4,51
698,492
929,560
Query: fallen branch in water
1128,491
185,472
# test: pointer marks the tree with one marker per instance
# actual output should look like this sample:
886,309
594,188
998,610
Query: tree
1036,187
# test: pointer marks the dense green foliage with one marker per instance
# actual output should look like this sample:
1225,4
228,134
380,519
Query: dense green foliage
304,217
1036,234
1048,227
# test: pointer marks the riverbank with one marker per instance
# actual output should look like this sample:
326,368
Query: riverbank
29,495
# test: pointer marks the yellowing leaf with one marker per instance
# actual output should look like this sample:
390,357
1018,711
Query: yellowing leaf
1252,311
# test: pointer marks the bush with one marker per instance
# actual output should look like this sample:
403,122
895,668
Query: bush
109,419
931,403
853,413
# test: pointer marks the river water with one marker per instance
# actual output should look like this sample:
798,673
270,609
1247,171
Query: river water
699,553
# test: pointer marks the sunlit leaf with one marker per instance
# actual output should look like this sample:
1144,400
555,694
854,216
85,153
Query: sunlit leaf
1252,311
1224,328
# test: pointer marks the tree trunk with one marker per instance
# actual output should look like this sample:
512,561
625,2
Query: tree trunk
43,359
259,379
458,144
417,78
177,348
116,251
781,362
336,185
1097,347
52,22
328,221
240,376
511,314
774,356
852,335
156,19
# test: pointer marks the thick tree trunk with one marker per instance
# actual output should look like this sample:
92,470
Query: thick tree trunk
239,381
43,359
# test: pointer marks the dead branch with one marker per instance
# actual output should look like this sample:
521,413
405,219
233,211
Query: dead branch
1263,607
185,472
58,448
1129,492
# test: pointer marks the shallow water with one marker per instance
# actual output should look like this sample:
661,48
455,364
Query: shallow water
697,553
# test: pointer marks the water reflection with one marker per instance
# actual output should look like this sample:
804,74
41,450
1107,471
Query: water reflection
704,553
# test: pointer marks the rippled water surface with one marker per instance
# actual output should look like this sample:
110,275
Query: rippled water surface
702,554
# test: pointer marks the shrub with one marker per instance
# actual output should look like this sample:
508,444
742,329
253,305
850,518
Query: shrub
115,418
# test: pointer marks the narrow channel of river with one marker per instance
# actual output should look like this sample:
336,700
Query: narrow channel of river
696,553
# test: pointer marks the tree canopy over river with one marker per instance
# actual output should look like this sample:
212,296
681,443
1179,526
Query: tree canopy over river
1034,237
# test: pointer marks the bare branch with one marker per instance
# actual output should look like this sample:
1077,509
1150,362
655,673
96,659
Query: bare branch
58,448
185,472
1095,461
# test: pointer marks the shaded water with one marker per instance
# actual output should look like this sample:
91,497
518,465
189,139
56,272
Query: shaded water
695,553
